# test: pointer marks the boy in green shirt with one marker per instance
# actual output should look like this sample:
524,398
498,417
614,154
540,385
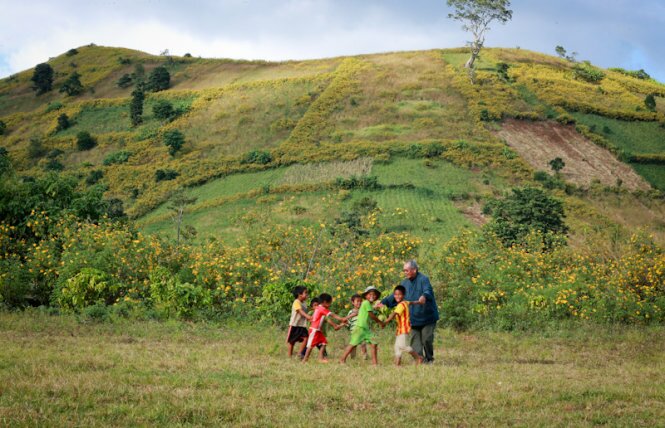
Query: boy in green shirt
361,334
356,301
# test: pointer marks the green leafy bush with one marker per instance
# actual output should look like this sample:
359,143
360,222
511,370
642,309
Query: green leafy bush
117,158
85,141
276,299
87,287
174,140
527,210
258,157
588,73
165,175
159,79
162,109
3,127
173,297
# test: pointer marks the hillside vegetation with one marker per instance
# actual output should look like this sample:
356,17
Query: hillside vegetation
336,169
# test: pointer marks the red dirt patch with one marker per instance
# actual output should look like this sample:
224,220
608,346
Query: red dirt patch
540,142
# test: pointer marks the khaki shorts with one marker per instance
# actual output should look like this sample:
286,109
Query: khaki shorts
402,345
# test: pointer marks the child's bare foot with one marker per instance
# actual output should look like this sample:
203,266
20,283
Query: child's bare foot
324,361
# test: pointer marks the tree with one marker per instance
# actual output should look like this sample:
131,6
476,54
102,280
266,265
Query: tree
5,161
561,51
72,86
557,165
63,122
42,78
177,207
650,102
138,75
174,140
163,109
85,141
159,79
526,210
3,127
136,105
475,16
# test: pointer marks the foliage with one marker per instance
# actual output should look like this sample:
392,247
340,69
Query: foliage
3,127
650,102
125,81
162,109
87,287
165,175
277,297
483,283
63,122
136,105
94,177
174,140
85,141
117,158
475,16
588,73
35,148
257,157
159,79
72,86
5,162
526,210
42,78
638,74
557,164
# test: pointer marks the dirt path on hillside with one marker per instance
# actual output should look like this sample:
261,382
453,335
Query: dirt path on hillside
540,142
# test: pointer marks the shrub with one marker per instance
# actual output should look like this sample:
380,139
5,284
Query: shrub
171,296
638,74
276,299
257,157
650,102
557,164
87,287
588,73
165,175
3,127
63,122
174,140
117,158
125,81
54,165
163,109
85,141
72,86
159,79
94,177
526,210
52,106
358,182
72,52
35,148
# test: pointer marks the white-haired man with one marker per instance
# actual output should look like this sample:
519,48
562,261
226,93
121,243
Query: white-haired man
423,316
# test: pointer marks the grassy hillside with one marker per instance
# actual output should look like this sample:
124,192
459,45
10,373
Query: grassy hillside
388,108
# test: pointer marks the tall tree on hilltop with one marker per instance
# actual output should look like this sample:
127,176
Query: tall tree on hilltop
475,16
42,77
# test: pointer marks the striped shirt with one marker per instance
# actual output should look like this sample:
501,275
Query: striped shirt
402,318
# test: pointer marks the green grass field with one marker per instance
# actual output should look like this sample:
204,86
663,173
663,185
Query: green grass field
654,174
56,371
429,205
634,137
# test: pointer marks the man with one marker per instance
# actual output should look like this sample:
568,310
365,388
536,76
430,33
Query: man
423,316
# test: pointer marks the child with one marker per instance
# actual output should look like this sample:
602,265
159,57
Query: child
401,316
298,323
361,333
356,301
316,336
313,304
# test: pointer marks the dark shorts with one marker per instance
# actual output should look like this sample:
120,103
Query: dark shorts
296,334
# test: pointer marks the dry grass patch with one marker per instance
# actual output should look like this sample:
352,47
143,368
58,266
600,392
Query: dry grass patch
326,172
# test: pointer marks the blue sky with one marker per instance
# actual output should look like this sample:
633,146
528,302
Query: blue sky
611,33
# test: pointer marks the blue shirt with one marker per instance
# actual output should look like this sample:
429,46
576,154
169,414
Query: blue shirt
421,315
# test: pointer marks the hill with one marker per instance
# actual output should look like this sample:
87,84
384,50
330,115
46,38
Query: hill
381,106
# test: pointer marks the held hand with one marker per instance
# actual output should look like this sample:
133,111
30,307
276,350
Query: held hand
378,305
422,300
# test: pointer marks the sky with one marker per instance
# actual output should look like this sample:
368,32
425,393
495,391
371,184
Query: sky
609,33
